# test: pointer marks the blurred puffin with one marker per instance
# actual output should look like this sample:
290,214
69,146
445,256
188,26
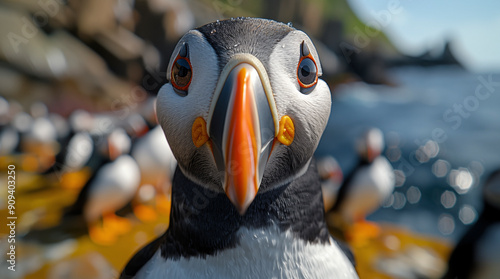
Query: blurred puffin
331,179
80,154
41,138
9,135
365,188
72,158
76,146
477,254
110,188
243,112
157,164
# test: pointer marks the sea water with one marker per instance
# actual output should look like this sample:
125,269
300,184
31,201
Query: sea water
442,129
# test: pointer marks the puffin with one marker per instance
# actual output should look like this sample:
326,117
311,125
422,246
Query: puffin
243,113
73,156
41,139
331,179
477,253
109,189
365,188
9,140
9,135
157,164
76,146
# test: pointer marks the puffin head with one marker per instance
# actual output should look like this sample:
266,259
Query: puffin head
370,145
244,108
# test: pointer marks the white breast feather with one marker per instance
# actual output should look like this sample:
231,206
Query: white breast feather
153,154
262,253
370,186
115,185
80,149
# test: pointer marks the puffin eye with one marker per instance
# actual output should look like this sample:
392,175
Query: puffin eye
181,71
307,71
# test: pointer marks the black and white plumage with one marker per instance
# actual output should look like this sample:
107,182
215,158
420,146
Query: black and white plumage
14,134
246,196
331,180
77,145
9,140
157,164
118,177
477,254
43,130
369,183
110,188
217,242
74,155
113,186
154,157
9,135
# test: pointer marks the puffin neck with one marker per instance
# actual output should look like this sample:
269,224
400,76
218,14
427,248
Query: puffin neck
204,222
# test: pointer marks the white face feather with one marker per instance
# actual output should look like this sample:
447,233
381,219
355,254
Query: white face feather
309,112
283,76
176,114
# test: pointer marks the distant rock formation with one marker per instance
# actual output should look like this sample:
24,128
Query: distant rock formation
427,59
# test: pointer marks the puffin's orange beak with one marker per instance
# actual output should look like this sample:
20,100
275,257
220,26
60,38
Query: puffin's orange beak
241,150
242,131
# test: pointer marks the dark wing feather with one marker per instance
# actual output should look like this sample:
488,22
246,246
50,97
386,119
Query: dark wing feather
141,258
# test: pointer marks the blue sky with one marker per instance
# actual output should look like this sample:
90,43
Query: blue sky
416,25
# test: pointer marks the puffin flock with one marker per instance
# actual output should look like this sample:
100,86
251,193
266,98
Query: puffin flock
127,163
229,143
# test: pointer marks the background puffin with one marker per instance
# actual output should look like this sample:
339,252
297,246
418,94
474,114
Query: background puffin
71,166
365,188
157,164
9,136
243,112
331,179
76,147
41,137
110,188
477,254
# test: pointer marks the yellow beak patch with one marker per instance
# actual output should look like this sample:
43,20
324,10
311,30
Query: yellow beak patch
199,132
286,132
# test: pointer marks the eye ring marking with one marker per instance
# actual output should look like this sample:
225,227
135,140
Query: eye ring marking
301,78
305,68
182,71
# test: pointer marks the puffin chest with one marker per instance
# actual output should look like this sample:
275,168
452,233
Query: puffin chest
261,253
